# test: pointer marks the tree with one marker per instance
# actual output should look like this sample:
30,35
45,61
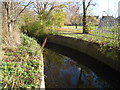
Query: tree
50,14
11,12
1,35
43,9
57,17
72,14
1,23
85,8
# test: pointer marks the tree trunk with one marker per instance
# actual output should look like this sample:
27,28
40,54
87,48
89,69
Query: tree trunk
75,25
9,33
84,17
1,23
1,53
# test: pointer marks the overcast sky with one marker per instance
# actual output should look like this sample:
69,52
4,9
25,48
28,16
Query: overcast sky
105,7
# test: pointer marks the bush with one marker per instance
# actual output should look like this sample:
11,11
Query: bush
45,25
38,28
90,27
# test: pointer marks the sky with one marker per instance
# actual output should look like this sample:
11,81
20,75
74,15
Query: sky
105,7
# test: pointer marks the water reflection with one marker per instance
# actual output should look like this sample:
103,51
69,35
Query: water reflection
63,72
90,80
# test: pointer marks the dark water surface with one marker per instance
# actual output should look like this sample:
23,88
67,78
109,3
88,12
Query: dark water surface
63,72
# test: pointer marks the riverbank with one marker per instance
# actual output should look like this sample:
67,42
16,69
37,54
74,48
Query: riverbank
89,48
22,66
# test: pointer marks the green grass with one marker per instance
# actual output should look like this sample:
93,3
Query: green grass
21,66
78,27
112,29
110,38
91,38
109,35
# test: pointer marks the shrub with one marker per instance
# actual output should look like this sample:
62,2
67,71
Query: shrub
45,25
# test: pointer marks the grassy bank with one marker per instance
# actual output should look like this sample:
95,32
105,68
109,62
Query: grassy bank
21,66
78,27
92,38
101,38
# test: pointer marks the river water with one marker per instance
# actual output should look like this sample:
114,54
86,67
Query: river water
64,72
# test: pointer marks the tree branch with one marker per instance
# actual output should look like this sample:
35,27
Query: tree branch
35,10
89,3
22,11
53,8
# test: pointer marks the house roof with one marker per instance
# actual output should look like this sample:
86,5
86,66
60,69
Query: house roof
107,17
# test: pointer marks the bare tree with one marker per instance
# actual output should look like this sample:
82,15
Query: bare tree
0,23
85,8
73,15
43,9
10,14
0,36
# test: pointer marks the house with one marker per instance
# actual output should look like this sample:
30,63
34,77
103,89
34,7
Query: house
118,8
107,21
118,12
118,19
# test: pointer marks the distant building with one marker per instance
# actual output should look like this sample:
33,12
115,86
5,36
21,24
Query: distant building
118,12
118,8
107,21
97,17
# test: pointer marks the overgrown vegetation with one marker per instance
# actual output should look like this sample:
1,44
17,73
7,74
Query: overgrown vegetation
45,24
21,66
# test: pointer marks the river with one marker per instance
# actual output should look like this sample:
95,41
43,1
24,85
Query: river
62,71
